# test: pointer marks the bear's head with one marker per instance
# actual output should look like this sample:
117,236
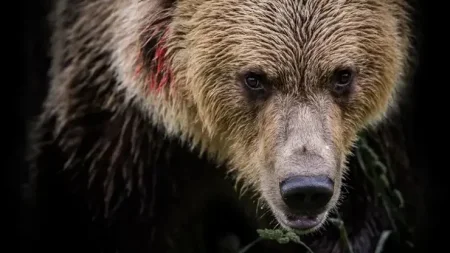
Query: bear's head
279,90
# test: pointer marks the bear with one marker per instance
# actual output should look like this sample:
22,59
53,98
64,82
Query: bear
154,105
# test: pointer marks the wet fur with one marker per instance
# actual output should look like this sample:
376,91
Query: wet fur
103,143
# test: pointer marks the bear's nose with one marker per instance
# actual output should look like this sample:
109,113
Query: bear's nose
307,194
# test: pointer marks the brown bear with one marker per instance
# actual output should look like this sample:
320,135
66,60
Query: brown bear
147,98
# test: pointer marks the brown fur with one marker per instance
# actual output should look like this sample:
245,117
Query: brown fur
204,46
210,42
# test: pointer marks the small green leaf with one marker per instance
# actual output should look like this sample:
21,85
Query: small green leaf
283,240
293,237
271,234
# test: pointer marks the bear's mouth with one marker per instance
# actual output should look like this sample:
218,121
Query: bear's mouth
302,223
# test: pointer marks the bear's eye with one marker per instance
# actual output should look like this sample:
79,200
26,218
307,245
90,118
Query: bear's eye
342,80
254,81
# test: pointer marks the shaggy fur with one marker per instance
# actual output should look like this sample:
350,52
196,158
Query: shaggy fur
141,89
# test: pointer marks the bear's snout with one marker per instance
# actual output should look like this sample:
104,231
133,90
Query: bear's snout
307,195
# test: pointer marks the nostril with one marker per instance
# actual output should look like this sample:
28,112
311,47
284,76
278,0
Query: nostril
307,194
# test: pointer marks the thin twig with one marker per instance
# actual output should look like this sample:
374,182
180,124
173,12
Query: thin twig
246,248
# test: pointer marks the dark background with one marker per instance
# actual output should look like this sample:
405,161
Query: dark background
429,130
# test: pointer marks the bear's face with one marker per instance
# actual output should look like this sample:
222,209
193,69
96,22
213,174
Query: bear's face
283,87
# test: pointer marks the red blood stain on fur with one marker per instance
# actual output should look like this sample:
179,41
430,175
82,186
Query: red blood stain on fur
159,74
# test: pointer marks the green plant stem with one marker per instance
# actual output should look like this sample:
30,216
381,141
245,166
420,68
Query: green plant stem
246,248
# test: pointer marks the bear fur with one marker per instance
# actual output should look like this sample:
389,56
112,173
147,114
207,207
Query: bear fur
146,118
